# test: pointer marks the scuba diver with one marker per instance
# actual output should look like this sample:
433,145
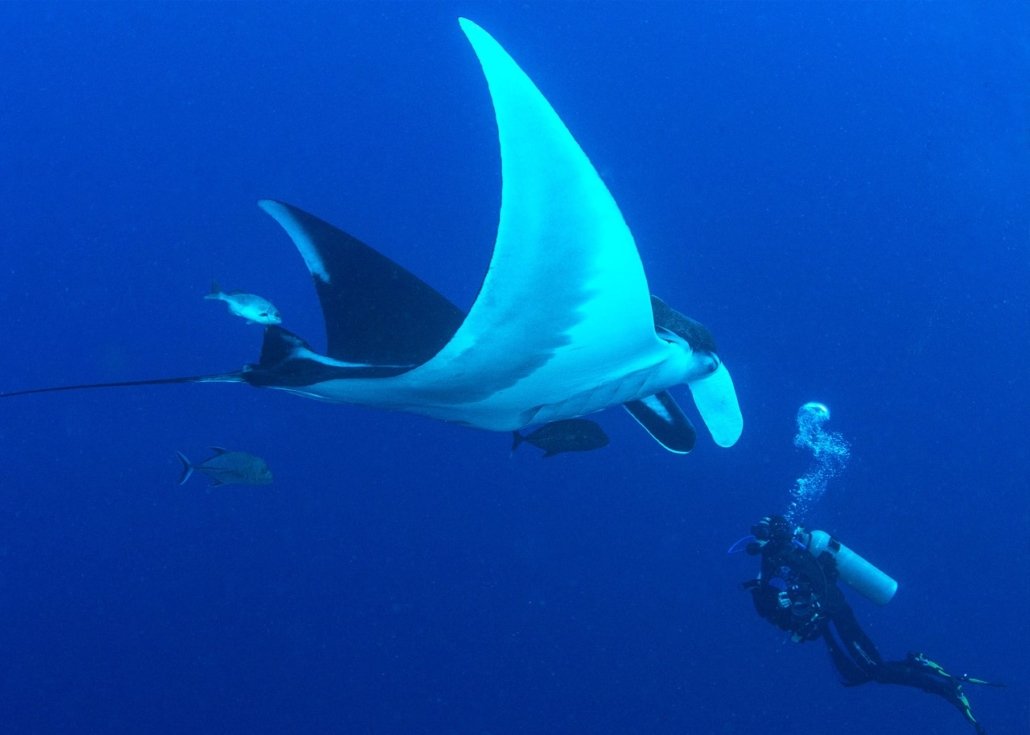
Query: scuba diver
797,591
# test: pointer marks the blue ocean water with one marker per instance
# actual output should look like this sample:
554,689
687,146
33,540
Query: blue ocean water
838,191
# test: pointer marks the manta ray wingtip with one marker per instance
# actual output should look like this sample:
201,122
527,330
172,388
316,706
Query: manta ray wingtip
473,31
270,206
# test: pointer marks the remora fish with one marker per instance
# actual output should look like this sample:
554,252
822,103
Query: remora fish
571,435
253,308
564,324
228,468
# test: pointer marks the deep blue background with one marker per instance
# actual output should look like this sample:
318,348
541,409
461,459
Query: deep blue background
839,191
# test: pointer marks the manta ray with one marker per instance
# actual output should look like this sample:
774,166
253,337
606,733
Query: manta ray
564,323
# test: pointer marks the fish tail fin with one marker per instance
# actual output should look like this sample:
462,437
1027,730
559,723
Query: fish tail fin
516,440
187,468
216,291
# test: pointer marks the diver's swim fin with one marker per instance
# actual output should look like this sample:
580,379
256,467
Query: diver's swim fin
981,682
921,659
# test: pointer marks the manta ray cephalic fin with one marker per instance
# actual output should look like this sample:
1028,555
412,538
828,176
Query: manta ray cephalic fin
664,420
716,401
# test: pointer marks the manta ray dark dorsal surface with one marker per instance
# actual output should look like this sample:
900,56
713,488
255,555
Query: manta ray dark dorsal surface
375,311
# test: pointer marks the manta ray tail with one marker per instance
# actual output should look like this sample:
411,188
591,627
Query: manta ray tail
235,377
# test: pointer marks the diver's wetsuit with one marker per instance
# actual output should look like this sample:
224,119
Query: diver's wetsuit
799,593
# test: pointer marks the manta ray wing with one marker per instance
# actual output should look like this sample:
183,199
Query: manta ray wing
565,305
375,311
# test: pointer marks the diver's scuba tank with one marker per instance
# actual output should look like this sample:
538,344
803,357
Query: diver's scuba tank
858,573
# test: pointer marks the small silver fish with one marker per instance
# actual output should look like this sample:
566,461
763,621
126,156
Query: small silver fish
253,308
228,468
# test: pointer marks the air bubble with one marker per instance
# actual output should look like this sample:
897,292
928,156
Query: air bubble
830,452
